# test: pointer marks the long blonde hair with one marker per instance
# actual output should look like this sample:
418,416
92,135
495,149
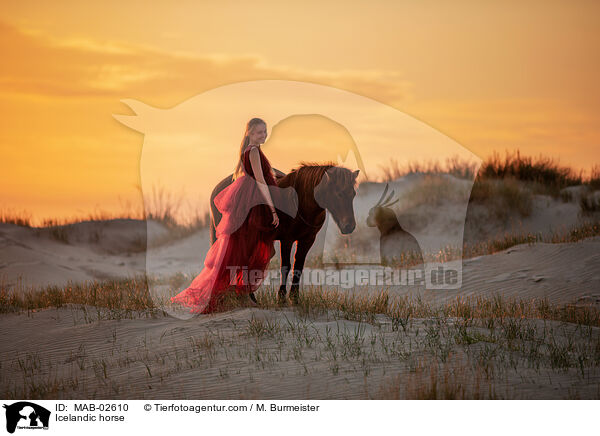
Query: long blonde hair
239,168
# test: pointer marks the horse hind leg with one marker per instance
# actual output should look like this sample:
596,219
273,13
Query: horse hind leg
299,259
286,249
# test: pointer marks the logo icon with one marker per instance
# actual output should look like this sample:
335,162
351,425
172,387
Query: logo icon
26,415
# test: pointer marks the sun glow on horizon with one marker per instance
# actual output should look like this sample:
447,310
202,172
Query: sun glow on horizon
492,77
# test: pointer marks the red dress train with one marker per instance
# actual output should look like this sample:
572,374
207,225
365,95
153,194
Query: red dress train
244,244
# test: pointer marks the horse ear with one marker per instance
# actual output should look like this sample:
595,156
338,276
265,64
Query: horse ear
355,173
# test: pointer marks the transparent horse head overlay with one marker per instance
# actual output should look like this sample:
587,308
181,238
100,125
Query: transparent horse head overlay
190,148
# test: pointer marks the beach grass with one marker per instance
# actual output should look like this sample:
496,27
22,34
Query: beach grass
384,347
130,298
159,205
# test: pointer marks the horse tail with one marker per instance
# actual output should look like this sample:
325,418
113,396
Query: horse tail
215,214
213,230
215,218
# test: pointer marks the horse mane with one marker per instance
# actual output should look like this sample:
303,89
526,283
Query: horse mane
309,174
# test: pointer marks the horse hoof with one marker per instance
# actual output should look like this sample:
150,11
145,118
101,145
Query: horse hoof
281,297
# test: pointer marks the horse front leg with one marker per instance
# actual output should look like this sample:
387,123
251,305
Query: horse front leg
286,254
301,252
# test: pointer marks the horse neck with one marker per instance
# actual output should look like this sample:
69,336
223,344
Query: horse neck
308,207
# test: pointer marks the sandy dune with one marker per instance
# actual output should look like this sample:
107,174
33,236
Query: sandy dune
68,353
76,352
33,258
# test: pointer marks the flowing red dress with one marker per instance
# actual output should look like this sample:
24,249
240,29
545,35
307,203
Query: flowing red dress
244,244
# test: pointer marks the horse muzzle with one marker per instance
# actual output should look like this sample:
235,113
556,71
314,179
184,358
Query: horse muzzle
347,228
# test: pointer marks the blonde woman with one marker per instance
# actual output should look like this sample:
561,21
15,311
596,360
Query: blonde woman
237,260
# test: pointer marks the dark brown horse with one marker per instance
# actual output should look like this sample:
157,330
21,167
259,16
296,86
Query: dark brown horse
319,188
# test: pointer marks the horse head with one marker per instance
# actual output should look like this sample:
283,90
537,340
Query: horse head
335,192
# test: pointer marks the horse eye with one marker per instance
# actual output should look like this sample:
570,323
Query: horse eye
349,193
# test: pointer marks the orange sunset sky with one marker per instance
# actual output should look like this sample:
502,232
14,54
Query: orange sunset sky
493,76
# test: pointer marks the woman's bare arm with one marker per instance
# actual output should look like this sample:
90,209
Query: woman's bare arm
262,184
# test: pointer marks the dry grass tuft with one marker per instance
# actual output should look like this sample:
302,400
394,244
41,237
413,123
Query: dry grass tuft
161,206
502,197
434,190
22,218
428,379
455,166
542,170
